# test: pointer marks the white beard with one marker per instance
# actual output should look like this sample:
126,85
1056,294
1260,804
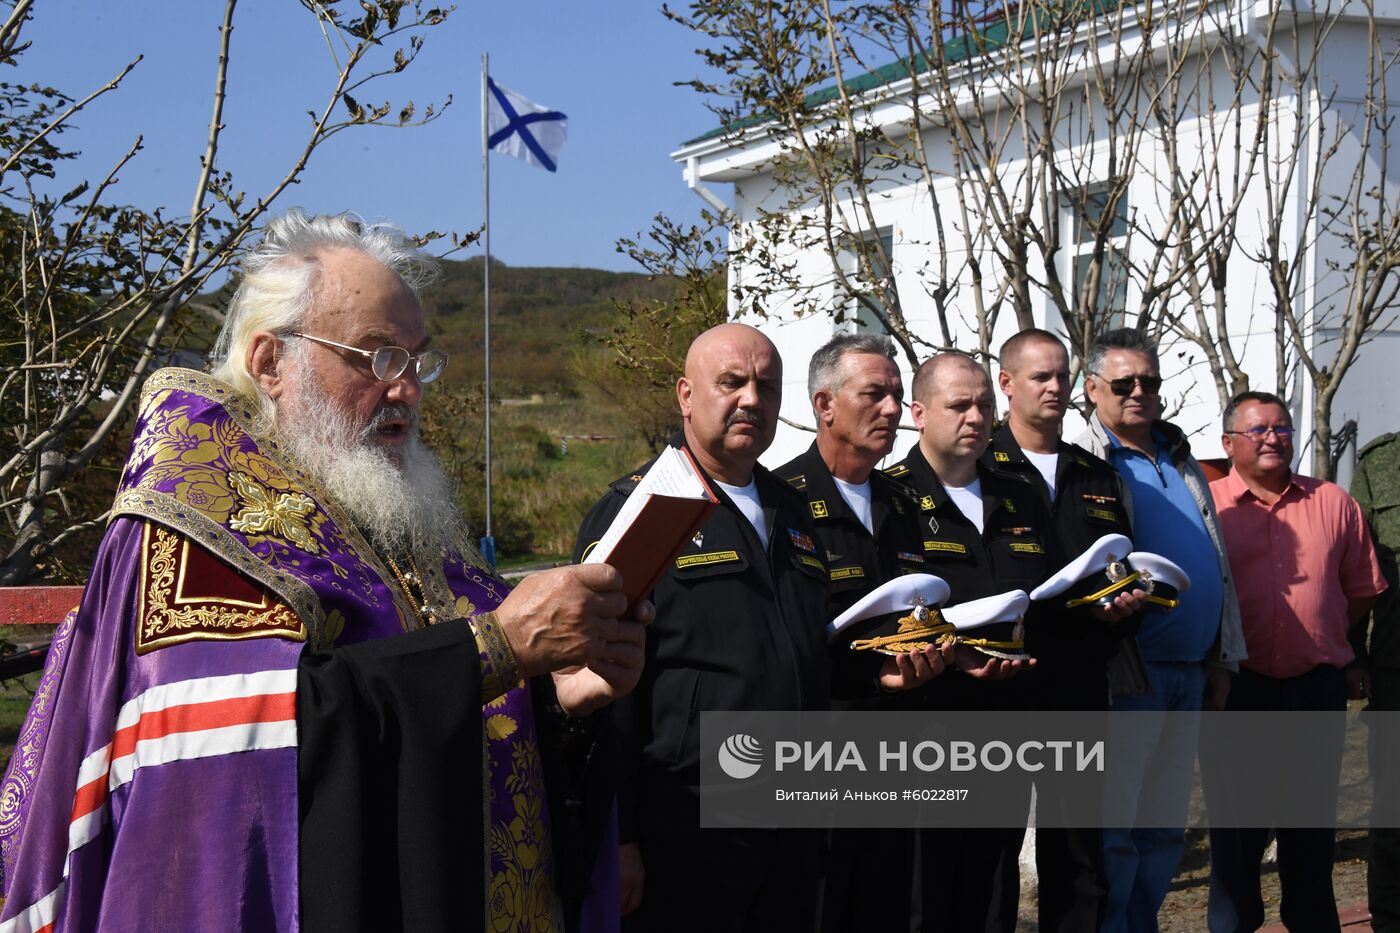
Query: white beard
404,508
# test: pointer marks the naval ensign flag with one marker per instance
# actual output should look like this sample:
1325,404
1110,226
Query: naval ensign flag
523,129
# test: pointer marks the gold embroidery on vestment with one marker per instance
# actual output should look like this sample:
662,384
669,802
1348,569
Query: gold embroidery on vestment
282,515
167,616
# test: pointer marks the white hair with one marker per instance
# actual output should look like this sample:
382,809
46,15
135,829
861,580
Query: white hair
281,282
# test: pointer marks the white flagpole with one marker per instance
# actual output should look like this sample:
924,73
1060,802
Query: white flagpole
488,543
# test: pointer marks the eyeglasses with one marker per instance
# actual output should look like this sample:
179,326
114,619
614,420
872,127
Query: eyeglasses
389,363
1123,386
1283,433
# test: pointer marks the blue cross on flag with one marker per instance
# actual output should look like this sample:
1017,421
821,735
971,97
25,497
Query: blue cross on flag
522,129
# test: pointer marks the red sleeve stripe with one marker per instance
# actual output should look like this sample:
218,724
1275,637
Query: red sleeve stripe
191,719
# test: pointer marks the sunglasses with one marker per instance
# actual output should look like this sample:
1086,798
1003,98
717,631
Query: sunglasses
389,363
1123,386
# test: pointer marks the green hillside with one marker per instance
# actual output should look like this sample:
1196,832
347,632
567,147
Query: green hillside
538,316
547,472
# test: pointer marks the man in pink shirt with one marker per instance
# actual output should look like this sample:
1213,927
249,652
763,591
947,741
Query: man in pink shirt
1305,570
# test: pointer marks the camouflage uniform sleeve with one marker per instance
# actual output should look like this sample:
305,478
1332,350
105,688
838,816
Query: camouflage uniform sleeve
1359,631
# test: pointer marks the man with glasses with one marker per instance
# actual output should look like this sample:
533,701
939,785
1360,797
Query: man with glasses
1189,653
1306,572
270,710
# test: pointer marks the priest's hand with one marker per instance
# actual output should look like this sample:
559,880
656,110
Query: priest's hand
631,875
912,669
1123,606
981,666
569,617
583,690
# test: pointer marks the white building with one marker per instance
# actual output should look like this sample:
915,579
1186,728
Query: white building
1331,108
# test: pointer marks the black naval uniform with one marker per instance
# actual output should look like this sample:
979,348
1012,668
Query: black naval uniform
970,876
1072,651
857,560
738,627
870,872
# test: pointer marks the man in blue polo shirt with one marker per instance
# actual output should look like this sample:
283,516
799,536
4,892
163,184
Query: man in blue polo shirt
1190,653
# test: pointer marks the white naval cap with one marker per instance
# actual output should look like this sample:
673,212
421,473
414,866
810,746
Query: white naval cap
992,624
1163,580
1089,566
989,610
898,597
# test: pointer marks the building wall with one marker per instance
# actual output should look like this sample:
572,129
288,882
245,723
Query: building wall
799,322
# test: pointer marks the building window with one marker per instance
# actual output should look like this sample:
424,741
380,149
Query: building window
1084,214
866,264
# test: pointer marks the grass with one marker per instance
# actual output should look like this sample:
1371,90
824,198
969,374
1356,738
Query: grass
546,477
14,704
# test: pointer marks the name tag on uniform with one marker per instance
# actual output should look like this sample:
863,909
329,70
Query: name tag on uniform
811,561
946,547
1027,547
847,573
1102,515
704,560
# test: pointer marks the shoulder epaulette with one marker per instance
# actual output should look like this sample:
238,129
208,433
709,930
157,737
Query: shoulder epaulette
897,471
626,484
1375,444
797,481
899,488
1085,457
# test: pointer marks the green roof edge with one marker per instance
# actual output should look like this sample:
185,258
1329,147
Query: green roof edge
959,49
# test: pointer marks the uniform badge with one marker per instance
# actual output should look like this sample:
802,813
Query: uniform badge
1001,456
926,503
913,558
699,538
933,524
898,506
1010,506
819,508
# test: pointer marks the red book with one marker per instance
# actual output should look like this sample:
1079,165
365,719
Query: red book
667,507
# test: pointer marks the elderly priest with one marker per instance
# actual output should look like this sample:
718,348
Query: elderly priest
271,708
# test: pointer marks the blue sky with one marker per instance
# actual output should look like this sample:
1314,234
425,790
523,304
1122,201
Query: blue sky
608,64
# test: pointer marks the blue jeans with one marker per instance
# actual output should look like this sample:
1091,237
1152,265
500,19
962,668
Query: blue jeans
1152,776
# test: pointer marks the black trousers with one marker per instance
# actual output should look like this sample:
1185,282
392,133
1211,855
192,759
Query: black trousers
869,880
1304,855
971,880
1383,867
1072,891
724,880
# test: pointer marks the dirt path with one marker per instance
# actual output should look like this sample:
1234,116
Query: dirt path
1185,908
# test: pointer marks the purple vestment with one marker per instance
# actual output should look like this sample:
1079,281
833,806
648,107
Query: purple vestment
155,782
